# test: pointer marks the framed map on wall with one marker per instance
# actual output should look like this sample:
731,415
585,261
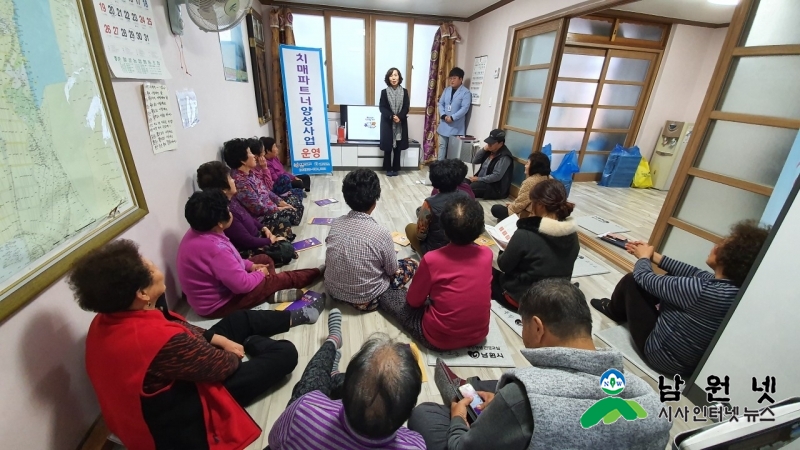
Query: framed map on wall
67,179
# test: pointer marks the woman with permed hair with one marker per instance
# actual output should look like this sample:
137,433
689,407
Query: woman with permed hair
537,169
673,317
160,381
394,106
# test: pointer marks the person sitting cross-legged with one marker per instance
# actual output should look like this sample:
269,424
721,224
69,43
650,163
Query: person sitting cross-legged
262,170
448,304
545,245
362,409
545,405
160,381
672,318
254,195
362,266
215,278
537,169
427,234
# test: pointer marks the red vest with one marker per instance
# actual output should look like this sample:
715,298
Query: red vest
119,349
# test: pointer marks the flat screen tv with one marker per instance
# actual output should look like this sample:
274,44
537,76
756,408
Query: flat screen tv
363,122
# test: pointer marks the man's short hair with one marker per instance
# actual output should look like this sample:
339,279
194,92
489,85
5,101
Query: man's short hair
234,152
456,72
561,307
213,175
381,386
447,174
361,189
462,220
205,209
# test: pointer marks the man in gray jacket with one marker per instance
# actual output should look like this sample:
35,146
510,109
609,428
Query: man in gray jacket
565,389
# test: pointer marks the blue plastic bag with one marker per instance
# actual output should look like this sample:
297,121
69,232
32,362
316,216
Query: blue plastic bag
620,167
568,167
548,150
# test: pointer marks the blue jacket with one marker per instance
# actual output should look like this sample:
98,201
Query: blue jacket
457,109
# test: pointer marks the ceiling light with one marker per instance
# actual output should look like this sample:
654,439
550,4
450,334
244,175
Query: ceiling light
724,2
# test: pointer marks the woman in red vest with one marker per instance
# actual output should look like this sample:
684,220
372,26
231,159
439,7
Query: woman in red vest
161,382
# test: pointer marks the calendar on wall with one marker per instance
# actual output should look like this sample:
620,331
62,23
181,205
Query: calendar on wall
130,39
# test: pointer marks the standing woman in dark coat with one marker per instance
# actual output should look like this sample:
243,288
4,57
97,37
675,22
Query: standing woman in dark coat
394,106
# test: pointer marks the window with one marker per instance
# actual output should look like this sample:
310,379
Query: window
313,36
358,49
421,63
391,50
348,52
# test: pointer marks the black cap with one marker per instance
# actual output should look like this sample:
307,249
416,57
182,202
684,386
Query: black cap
495,136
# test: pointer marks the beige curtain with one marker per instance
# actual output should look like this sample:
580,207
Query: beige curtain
280,22
443,57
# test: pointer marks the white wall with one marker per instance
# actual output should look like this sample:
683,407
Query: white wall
489,35
682,81
46,401
761,337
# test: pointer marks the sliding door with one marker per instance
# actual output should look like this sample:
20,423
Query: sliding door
746,128
530,78
598,101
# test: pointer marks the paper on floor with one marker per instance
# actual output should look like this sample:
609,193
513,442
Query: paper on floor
493,352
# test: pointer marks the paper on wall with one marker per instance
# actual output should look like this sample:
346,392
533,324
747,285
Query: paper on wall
159,118
187,104
130,39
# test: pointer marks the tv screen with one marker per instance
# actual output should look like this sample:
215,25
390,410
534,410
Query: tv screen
363,122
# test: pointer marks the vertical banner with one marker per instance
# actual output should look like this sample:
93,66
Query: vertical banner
306,111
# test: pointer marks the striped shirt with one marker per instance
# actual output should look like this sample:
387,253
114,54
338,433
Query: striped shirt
315,422
693,305
360,259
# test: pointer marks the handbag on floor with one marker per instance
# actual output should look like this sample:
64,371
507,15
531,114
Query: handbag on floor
281,252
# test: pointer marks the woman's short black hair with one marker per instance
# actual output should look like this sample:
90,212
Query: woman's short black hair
456,72
540,164
381,387
267,142
361,189
234,152
447,174
256,146
205,209
213,175
738,252
462,220
389,73
107,279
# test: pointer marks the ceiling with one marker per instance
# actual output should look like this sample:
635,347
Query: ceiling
446,8
695,10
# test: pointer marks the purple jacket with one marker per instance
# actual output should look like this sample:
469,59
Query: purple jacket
245,231
276,169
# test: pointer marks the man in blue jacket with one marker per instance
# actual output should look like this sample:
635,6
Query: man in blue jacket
453,107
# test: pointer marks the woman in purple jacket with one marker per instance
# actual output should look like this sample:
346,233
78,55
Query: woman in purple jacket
246,233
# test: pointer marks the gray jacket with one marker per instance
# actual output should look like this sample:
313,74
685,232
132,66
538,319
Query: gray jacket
562,384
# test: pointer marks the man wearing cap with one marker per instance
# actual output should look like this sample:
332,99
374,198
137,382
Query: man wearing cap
453,107
493,180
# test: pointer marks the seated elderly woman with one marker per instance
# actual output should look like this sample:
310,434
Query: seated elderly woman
673,317
545,245
284,181
427,234
161,382
259,201
292,196
448,304
537,169
245,233
363,409
215,278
